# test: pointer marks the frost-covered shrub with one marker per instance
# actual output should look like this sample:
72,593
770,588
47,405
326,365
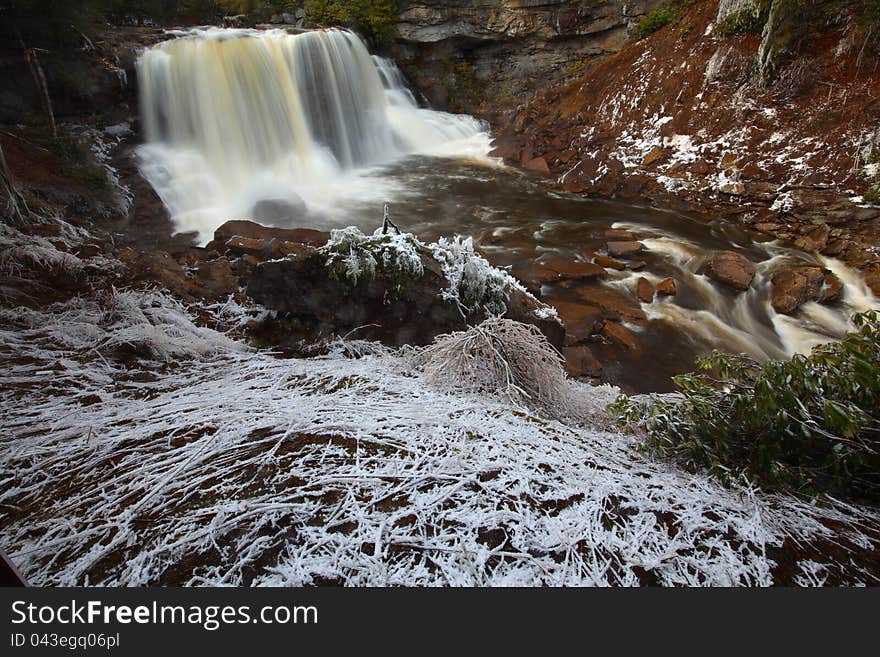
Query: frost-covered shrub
474,284
811,423
356,257
128,322
514,361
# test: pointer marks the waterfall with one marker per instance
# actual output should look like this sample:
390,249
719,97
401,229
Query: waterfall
277,127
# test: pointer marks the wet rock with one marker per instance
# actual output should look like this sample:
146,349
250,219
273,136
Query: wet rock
316,304
620,335
624,249
580,363
609,263
637,265
569,270
645,290
794,286
815,239
253,230
666,287
613,305
618,235
538,165
580,320
731,269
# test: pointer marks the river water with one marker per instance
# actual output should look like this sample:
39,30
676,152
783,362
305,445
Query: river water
310,130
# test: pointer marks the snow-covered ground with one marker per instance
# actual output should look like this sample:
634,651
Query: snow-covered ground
204,462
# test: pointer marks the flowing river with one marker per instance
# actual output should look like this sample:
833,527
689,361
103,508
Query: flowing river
310,130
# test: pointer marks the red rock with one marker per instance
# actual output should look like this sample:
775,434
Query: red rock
580,320
573,270
538,165
637,265
731,269
666,287
613,305
617,235
609,263
253,230
645,290
794,286
624,249
618,334
654,155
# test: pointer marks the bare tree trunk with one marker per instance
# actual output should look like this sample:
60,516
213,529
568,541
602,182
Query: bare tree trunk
30,54
16,206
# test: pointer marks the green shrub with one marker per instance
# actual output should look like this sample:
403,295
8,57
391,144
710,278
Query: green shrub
658,17
376,19
872,195
810,424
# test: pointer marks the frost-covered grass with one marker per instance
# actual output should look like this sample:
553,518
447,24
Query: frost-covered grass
236,467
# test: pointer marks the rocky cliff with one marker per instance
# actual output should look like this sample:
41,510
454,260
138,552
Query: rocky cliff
487,56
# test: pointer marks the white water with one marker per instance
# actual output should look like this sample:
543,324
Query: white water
276,127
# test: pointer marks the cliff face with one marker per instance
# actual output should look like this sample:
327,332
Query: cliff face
488,56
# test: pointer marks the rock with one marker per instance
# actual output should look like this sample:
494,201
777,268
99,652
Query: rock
699,168
580,321
265,249
794,286
654,155
253,230
620,335
538,165
568,270
613,305
316,304
731,269
666,287
580,362
832,289
617,235
624,249
609,263
217,279
645,290
731,187
815,240
637,265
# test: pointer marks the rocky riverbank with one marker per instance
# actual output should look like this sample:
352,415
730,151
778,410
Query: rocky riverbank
680,120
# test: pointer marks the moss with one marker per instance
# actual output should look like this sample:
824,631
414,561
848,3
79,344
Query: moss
872,195
77,162
575,69
463,88
666,14
746,21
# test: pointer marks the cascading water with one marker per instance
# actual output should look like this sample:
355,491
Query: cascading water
272,126
311,130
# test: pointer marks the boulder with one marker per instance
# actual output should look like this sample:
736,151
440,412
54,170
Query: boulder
612,304
317,303
620,335
666,287
572,270
538,165
581,321
624,249
217,279
731,269
794,286
645,290
253,230
617,235
609,263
